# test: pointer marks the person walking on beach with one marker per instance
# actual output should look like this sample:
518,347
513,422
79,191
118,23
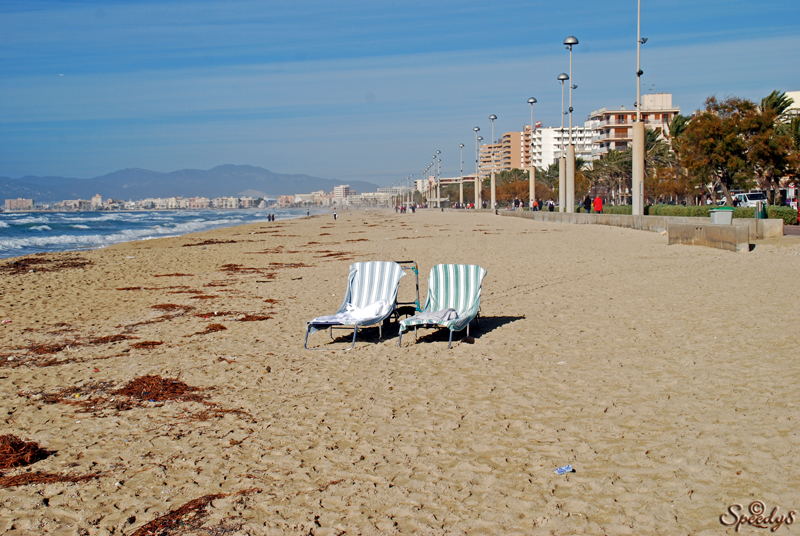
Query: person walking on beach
587,204
598,204
334,215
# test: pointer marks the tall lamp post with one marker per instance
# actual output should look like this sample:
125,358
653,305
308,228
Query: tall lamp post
492,118
461,178
637,165
477,171
562,160
532,172
569,41
438,188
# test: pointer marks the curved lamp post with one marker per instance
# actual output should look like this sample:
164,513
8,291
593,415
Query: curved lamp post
569,42
477,196
562,160
494,201
532,171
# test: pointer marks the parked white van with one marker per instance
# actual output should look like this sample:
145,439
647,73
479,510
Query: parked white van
750,199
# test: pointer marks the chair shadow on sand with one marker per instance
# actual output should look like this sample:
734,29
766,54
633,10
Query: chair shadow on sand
488,324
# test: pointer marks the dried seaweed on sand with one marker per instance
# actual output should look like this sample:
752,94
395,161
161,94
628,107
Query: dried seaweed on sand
159,389
14,452
44,264
146,345
44,478
188,517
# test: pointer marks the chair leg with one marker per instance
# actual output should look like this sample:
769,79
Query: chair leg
305,344
450,342
355,332
400,339
330,332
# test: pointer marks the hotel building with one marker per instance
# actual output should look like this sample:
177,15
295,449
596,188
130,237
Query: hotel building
614,127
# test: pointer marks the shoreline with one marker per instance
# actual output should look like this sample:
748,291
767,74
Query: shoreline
84,231
599,347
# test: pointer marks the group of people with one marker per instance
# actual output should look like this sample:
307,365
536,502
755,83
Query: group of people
597,204
402,209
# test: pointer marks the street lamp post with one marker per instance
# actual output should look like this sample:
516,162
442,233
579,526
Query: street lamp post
570,41
562,160
461,178
477,171
532,172
494,201
438,188
637,164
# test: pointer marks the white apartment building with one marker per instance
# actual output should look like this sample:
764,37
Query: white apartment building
794,108
614,126
514,149
548,143
341,193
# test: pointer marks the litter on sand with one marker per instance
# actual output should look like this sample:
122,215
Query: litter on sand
565,469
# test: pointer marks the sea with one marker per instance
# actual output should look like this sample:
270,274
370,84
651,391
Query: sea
42,232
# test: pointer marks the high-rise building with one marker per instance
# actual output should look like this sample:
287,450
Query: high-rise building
615,126
340,193
514,149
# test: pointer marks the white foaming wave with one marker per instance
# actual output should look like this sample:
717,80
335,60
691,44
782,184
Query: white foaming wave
79,226
3,225
65,242
30,219
97,241
41,228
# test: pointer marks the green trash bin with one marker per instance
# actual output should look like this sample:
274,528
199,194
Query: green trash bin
761,210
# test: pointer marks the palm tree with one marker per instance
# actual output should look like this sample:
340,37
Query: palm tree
548,176
778,103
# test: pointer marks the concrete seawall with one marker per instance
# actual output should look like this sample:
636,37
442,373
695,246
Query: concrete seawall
729,237
756,229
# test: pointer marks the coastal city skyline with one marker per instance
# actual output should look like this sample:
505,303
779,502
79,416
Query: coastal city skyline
355,92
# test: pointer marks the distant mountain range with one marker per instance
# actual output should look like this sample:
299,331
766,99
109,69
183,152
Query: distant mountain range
131,184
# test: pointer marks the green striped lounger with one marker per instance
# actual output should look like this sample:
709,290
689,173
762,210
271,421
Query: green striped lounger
454,299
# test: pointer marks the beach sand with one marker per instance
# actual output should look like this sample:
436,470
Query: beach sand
665,375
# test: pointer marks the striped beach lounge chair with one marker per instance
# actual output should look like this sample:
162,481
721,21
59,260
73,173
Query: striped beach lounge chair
454,299
370,298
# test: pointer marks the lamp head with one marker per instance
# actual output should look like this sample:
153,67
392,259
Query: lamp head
461,145
480,138
571,40
492,117
563,77
476,129
532,100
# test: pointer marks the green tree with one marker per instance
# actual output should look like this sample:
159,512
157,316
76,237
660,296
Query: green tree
714,150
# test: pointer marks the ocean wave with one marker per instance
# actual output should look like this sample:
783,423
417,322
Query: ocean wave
41,228
3,225
127,227
30,219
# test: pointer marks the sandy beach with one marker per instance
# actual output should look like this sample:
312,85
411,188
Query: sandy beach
665,375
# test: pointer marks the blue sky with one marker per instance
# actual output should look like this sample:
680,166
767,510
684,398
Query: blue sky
349,90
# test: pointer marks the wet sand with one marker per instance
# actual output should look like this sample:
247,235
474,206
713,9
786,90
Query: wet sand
665,375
